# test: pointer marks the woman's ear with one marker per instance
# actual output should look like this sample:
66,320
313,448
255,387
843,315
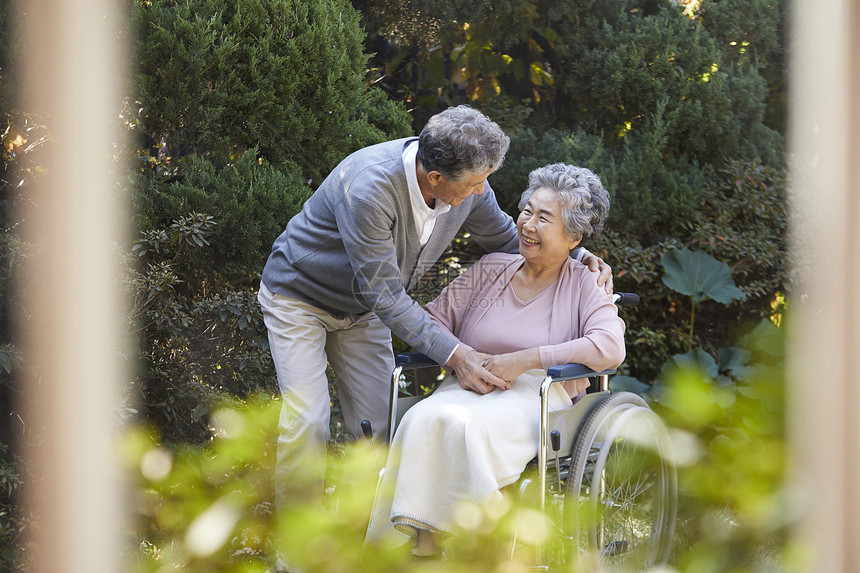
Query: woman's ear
574,242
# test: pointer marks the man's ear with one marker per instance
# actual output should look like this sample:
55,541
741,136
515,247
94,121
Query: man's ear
434,177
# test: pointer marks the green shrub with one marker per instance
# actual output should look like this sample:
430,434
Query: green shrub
529,150
199,338
250,201
631,62
14,522
742,222
284,77
652,96
744,219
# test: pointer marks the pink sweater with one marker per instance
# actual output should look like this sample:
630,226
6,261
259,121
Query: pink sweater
572,321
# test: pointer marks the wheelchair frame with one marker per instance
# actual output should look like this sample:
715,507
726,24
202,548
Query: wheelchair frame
591,446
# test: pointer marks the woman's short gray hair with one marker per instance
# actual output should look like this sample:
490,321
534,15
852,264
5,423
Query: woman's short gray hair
584,200
462,140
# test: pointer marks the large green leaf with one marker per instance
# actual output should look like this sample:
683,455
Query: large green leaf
697,358
698,274
619,383
735,361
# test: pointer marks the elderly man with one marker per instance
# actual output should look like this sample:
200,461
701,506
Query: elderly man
335,285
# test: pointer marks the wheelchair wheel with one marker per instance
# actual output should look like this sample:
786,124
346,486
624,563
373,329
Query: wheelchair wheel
622,493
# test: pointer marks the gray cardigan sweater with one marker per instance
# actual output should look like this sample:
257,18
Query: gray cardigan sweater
354,247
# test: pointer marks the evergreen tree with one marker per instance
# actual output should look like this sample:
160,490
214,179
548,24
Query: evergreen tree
249,200
286,77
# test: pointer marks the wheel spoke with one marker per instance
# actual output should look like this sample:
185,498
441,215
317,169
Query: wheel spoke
627,492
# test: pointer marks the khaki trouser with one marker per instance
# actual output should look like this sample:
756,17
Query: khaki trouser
303,339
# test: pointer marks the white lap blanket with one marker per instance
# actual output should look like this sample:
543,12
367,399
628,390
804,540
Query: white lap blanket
458,446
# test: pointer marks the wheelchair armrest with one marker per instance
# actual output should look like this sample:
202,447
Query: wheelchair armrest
625,298
574,371
564,371
413,359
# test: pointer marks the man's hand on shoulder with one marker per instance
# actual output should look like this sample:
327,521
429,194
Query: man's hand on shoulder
596,264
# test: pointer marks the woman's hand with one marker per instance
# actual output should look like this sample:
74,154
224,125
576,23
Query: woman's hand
509,366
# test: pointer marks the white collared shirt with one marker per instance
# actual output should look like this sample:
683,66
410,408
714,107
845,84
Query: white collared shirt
425,217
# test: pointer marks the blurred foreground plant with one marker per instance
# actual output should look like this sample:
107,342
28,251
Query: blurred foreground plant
729,428
210,508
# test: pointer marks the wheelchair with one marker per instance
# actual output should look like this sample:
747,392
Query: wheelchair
605,477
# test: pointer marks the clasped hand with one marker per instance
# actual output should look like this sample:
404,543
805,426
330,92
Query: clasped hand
483,373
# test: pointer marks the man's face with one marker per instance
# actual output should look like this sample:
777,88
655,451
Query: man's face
455,192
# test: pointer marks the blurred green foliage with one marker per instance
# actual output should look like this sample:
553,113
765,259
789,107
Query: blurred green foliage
209,507
729,425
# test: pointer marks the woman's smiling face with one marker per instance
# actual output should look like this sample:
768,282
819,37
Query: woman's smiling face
543,238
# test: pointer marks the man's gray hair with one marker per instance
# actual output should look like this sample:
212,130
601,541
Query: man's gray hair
462,140
584,200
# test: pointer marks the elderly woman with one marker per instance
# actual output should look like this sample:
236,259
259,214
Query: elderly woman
529,311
